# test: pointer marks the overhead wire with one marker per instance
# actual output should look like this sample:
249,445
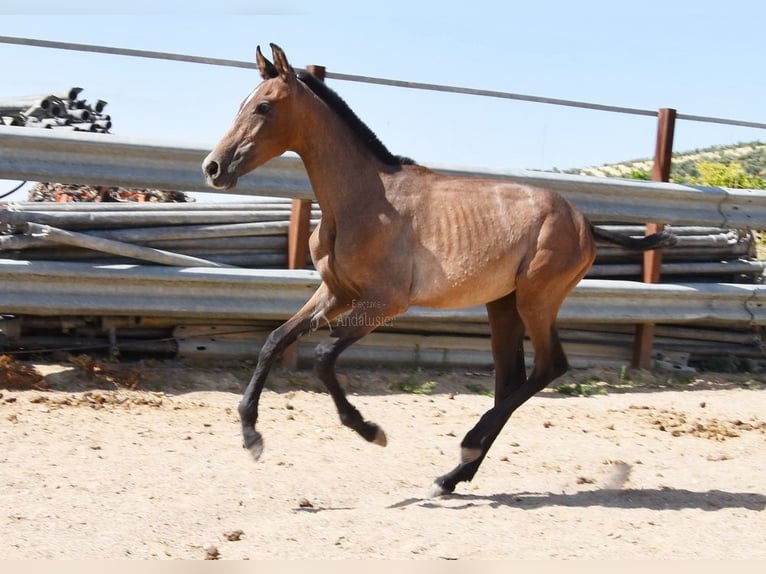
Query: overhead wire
369,80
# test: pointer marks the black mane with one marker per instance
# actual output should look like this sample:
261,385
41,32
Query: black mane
341,108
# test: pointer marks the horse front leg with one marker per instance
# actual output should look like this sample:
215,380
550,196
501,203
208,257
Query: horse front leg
365,317
320,309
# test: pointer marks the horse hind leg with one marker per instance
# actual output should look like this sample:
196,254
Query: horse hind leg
507,341
550,362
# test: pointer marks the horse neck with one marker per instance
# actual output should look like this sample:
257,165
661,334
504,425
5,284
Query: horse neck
345,176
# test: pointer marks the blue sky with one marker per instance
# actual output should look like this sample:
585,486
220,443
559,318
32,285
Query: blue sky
702,58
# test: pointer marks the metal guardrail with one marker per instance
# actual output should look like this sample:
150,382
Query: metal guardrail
100,159
36,288
221,295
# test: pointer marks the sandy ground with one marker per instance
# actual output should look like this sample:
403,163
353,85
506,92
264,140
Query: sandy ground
91,469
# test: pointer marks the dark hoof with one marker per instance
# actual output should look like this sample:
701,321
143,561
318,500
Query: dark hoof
373,433
253,441
380,438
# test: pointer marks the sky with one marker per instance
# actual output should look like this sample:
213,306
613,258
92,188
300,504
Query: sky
703,58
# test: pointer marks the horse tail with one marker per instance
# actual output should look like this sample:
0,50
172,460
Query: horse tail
653,241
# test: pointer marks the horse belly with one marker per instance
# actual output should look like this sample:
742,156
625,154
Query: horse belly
463,286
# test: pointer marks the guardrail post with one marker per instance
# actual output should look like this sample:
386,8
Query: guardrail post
663,154
298,240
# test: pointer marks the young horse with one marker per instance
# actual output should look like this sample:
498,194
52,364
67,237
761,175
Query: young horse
394,234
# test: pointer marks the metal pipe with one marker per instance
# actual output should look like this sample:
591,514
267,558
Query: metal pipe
258,228
225,244
112,219
66,254
71,94
13,119
146,235
82,114
116,247
677,230
734,267
609,254
256,204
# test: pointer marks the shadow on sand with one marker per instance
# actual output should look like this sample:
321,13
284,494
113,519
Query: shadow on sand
652,499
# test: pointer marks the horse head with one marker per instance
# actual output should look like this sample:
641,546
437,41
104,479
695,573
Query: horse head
261,129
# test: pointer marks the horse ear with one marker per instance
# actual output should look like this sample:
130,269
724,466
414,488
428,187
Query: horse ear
267,69
280,60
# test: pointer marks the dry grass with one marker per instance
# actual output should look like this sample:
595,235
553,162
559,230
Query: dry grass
19,376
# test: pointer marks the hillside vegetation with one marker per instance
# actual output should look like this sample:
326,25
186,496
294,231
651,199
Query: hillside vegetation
741,166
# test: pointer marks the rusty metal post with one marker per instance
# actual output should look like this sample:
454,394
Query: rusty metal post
298,233
298,239
663,154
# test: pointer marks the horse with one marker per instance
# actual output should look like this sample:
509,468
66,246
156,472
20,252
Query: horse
394,234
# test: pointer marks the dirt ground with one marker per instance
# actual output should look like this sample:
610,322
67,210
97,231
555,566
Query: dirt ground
645,466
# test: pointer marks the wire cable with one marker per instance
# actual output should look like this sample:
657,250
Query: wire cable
14,190
369,80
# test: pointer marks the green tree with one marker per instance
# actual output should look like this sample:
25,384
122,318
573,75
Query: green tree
726,175
637,174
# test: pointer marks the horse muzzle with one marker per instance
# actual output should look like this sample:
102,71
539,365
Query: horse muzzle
218,174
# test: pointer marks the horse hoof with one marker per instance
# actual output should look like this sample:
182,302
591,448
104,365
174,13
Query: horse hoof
253,442
380,437
436,491
441,486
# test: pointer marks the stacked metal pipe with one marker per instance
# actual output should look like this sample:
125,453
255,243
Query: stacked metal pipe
66,111
252,234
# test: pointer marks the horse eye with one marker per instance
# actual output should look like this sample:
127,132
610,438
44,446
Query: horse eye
263,108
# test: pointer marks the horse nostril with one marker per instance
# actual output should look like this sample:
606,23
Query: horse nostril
212,169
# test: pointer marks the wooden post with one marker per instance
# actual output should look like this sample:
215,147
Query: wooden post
298,233
298,240
663,154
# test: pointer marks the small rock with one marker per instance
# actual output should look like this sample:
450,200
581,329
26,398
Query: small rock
233,535
211,552
305,503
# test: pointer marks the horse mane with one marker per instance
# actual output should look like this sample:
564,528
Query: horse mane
340,107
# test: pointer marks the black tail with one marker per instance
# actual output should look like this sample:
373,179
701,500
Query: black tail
653,241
